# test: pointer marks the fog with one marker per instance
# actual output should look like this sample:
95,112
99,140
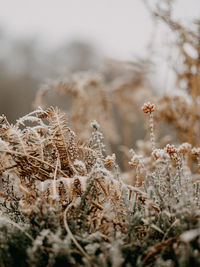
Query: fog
42,40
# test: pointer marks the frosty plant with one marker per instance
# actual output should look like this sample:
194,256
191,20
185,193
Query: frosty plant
149,108
67,199
65,202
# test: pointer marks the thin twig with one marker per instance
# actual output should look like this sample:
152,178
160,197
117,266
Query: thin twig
72,236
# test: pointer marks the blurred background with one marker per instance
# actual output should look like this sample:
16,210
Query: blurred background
41,40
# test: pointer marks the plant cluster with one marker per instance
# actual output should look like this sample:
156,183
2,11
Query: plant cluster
64,202
64,199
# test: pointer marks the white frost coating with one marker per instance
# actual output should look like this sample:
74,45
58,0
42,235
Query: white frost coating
160,154
125,192
79,163
91,248
83,180
68,183
44,185
77,202
54,180
94,124
4,144
190,235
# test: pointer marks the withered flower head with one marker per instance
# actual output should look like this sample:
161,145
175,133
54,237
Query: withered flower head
110,160
148,107
170,149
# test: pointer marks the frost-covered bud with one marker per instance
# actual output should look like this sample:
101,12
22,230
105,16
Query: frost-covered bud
110,160
170,149
94,124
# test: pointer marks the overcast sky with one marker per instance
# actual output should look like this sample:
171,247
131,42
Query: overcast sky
120,28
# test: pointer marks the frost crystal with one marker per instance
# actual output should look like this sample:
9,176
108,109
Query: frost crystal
95,125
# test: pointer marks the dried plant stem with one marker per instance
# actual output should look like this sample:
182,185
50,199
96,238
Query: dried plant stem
172,225
126,138
194,110
137,184
72,236
152,135
54,180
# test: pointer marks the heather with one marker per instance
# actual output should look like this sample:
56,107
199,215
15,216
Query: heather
75,189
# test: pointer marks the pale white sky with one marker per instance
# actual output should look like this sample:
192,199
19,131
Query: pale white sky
120,28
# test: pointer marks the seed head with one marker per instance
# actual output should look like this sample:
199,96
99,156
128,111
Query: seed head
148,107
110,160
95,125
170,149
